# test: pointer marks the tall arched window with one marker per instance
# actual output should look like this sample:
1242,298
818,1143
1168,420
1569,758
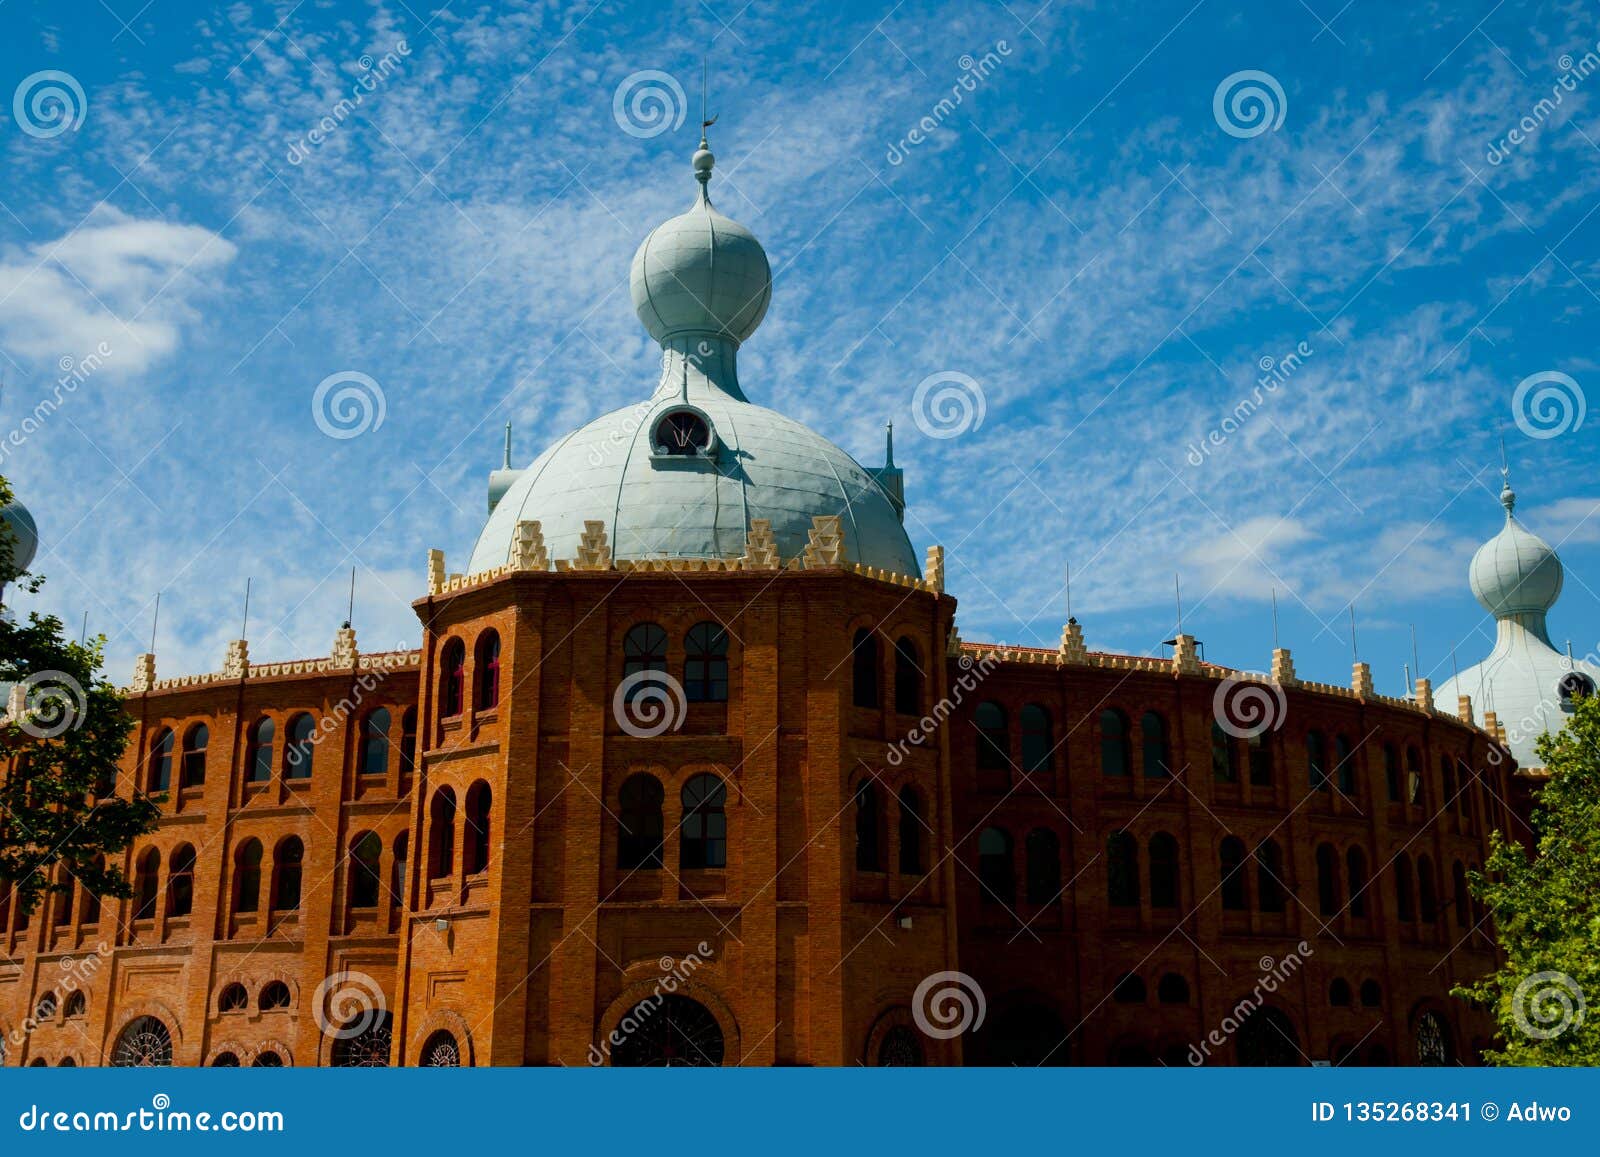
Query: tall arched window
452,678
397,875
1260,760
366,854
1345,764
1224,755
864,669
158,778
1402,888
1043,851
375,742
440,1051
1447,780
1122,870
1371,994
91,902
442,834
486,670
1427,891
1163,871
1327,880
1413,775
1235,887
287,861
1116,746
1463,899
644,648
475,853
1270,886
299,743
869,857
147,877
994,744
1157,754
247,877
258,751
1317,760
1356,870
705,663
408,741
194,755
997,880
641,828
1037,738
703,839
63,900
907,677
180,881
1391,772
911,827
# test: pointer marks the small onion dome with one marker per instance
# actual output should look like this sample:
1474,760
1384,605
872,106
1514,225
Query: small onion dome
22,534
1516,572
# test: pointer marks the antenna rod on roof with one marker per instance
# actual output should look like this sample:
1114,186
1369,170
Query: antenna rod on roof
1069,592
1355,654
154,619
350,614
1274,618
1177,594
244,629
83,637
1415,662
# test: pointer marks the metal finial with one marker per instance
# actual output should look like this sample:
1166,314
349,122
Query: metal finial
508,447
889,445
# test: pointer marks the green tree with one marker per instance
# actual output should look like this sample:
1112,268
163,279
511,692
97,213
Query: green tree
58,758
1546,907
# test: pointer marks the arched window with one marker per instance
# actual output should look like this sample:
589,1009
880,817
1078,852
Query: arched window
287,861
299,743
452,678
1427,891
864,669
1043,851
1317,760
233,998
180,881
274,995
1157,754
91,902
1163,871
247,877
1344,764
1129,989
1172,989
641,828
442,834
408,741
159,774
1270,888
1434,1043
77,1005
194,755
1463,901
673,1031
1402,888
366,855
1413,775
64,899
1447,780
1327,880
1355,862
868,854
1339,993
45,1010
907,677
994,744
997,881
705,663
1116,746
1371,994
1122,870
225,1060
440,1051
911,827
397,874
267,1059
900,1048
1235,889
145,1043
1224,755
486,670
1037,738
1267,1038
258,751
479,812
1391,772
644,648
146,881
375,742
1260,760
703,841
363,1041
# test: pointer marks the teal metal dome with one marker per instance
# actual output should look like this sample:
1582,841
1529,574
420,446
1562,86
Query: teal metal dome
1516,571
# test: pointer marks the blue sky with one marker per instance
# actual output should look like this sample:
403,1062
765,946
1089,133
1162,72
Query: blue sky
1081,236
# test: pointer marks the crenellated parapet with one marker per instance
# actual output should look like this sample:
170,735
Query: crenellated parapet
382,661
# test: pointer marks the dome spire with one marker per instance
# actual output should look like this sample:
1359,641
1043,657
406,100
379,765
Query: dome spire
1508,496
704,159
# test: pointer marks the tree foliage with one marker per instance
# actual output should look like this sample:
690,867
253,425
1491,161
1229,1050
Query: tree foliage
58,757
1546,907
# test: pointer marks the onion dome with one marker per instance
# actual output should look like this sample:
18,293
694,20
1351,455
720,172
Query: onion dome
22,534
1516,572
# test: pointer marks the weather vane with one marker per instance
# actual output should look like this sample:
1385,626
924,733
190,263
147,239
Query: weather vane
705,121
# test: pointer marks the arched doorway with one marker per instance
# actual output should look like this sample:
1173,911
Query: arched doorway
364,1042
668,1031
1268,1039
145,1043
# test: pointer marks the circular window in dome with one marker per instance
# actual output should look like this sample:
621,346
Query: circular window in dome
1574,685
682,434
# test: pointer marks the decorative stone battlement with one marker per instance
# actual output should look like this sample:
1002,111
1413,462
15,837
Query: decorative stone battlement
378,661
826,545
933,570
237,663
